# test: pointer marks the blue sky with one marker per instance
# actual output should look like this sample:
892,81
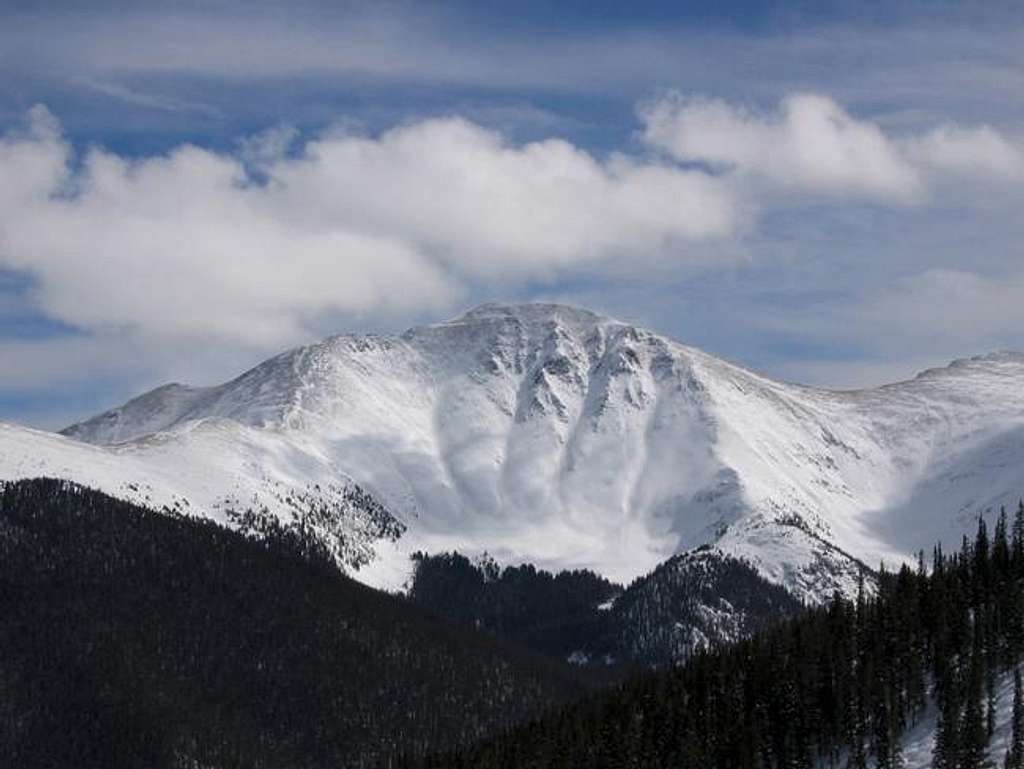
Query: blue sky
825,195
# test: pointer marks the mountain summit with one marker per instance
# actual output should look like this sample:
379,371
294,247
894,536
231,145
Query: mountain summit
555,435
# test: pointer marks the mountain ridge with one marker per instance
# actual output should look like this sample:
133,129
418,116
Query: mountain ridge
555,435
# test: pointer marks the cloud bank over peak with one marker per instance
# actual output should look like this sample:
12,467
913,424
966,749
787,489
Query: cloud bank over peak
192,242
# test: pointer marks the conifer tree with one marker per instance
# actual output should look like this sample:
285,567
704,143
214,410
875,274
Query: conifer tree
973,731
1018,538
946,754
982,562
1001,544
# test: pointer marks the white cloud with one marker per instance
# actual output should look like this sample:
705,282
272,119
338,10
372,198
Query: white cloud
268,147
144,99
33,161
183,245
810,144
486,208
187,245
978,151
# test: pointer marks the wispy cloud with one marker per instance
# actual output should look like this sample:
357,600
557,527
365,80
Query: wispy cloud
146,99
862,62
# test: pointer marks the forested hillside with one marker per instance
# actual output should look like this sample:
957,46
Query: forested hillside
691,602
839,686
556,614
135,639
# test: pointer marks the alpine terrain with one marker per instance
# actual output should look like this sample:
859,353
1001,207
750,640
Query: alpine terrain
550,434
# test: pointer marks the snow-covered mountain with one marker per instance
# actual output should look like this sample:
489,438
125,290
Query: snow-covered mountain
550,434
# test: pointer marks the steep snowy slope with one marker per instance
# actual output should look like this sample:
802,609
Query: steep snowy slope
550,434
219,469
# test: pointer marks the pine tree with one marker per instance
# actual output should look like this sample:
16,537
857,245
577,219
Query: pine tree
974,734
1001,544
947,745
1018,538
982,562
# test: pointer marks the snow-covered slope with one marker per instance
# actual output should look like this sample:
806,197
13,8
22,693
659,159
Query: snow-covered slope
550,434
917,745
220,469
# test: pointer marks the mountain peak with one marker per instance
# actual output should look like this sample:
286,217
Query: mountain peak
532,312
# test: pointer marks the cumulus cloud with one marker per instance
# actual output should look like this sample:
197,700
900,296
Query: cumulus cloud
810,143
189,244
487,208
182,244
976,151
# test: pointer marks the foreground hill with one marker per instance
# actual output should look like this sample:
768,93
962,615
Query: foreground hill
551,435
689,603
920,676
136,639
